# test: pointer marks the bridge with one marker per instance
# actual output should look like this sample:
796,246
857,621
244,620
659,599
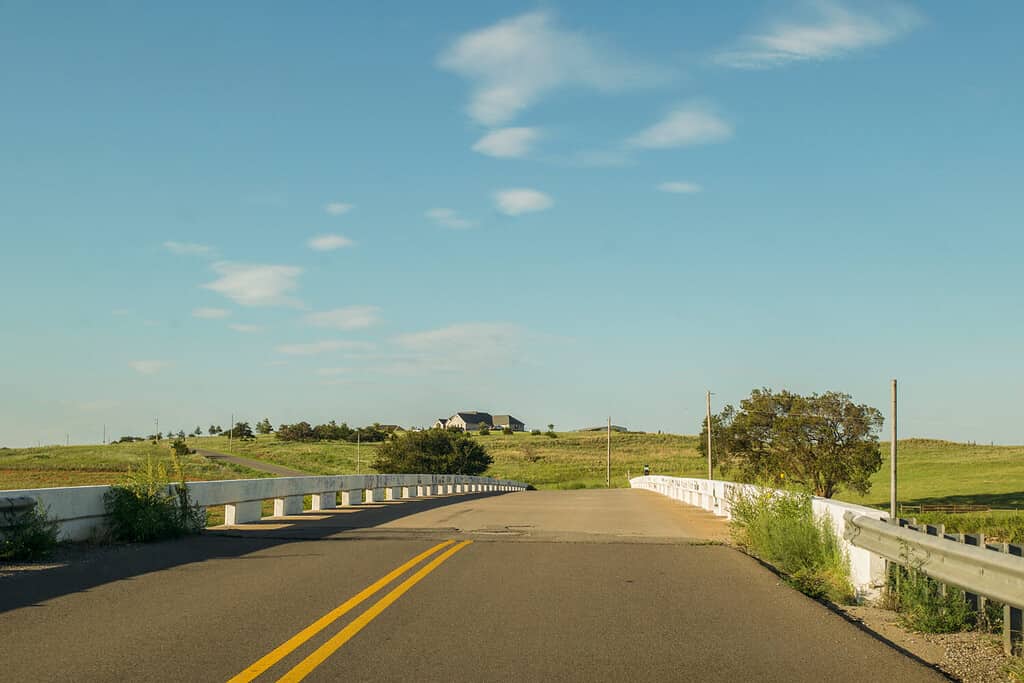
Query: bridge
471,582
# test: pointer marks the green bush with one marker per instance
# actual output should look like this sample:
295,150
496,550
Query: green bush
507,431
142,509
1015,669
434,451
27,535
923,605
780,528
535,432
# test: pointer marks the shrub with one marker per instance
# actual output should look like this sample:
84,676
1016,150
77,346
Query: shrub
142,509
924,605
780,528
28,535
484,430
535,432
550,434
180,447
433,451
507,431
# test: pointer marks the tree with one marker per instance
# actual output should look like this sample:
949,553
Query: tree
181,434
300,431
242,431
264,427
213,430
198,431
433,451
821,442
551,427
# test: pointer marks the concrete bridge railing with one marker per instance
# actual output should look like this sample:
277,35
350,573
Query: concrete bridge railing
81,515
867,569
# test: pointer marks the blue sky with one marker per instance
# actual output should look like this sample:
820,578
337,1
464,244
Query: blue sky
391,211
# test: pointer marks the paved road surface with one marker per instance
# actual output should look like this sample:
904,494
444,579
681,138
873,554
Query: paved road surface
533,586
257,465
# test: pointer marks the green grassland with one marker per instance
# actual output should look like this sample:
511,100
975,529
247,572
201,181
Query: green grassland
930,471
24,468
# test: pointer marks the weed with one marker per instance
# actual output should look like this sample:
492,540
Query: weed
780,528
142,509
28,535
925,605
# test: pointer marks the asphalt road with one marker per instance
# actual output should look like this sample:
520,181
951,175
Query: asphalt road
532,586
257,465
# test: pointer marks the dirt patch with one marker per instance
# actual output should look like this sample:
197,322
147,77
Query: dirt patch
968,657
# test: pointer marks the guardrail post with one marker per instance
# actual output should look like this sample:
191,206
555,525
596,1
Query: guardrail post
409,491
352,497
243,512
977,602
325,501
394,493
1013,616
375,495
288,505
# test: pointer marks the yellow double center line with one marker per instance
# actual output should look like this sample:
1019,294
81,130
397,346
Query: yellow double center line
303,668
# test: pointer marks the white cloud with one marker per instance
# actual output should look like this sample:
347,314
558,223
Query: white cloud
459,347
332,372
449,218
835,31
315,348
148,367
210,313
507,143
347,318
691,124
515,62
256,285
515,201
329,242
245,329
680,187
188,248
338,208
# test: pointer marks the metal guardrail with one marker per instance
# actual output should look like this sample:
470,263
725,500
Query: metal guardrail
995,572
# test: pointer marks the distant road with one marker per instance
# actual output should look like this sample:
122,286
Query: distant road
590,585
257,465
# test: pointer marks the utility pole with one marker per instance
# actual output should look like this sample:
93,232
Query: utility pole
157,421
608,471
231,430
709,436
104,435
359,432
892,465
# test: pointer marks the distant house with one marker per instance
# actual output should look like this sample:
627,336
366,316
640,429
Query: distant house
472,420
507,422
469,421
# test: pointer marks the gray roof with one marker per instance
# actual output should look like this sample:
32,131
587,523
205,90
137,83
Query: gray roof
473,416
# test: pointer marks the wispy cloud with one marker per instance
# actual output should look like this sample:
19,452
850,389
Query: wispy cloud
680,187
329,242
148,367
245,329
507,143
834,31
188,248
346,318
519,200
690,124
210,313
332,372
515,62
256,285
459,347
449,218
315,348
338,208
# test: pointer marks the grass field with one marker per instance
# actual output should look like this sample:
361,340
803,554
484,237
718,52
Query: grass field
25,468
930,471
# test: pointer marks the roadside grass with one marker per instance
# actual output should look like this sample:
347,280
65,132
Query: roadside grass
23,468
319,457
999,526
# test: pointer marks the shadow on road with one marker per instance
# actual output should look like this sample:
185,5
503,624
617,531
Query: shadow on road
80,567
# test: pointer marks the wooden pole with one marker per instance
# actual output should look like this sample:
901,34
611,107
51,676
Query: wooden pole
710,472
608,470
892,465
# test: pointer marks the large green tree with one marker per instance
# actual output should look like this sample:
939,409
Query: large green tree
433,451
822,442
